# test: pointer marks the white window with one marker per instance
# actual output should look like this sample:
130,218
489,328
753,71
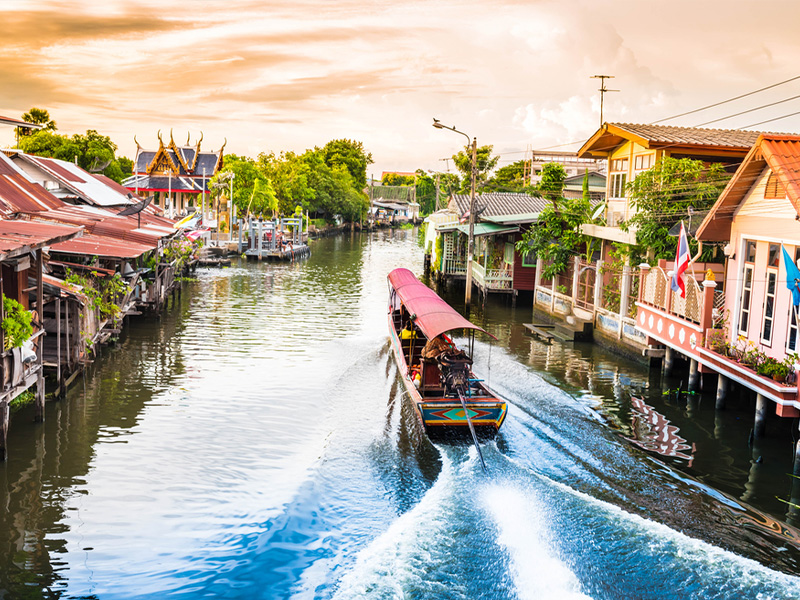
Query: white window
747,286
642,162
619,177
791,337
769,307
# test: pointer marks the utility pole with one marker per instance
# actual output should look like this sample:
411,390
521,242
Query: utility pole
436,204
603,89
473,177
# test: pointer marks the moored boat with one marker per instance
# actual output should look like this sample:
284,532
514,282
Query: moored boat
440,387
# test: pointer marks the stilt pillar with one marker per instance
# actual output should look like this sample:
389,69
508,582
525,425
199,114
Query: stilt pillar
4,412
669,360
723,385
760,424
694,376
39,412
794,498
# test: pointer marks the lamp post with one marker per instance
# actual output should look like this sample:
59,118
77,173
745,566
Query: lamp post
471,238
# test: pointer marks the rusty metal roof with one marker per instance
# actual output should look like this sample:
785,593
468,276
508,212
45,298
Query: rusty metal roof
79,182
19,123
17,194
779,152
102,247
20,237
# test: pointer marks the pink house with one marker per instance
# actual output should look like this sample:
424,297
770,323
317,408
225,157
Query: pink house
756,215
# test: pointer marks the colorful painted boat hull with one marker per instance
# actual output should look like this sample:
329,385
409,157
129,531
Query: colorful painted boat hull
445,416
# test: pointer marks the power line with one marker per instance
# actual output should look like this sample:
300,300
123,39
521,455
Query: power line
769,87
744,112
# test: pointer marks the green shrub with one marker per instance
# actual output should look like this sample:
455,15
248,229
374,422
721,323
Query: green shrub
16,325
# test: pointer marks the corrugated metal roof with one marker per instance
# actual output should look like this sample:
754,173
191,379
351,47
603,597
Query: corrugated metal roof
500,204
18,123
19,237
110,225
81,183
17,195
101,246
480,229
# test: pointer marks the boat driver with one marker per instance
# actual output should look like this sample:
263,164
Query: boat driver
436,346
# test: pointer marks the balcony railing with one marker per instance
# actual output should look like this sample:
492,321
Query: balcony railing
454,266
657,293
492,279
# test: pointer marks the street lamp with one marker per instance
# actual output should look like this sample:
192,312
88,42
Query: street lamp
471,239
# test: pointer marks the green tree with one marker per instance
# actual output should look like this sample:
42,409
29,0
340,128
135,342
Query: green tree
663,195
245,175
289,175
557,237
485,163
585,189
551,185
397,179
351,155
510,178
426,192
38,116
92,151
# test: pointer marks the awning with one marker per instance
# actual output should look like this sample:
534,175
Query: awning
488,229
429,312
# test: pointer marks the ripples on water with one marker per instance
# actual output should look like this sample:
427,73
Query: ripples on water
256,443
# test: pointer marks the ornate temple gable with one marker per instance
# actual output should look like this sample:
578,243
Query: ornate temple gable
162,163
219,165
178,153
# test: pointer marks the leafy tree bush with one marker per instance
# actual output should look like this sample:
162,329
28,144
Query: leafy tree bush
662,196
17,326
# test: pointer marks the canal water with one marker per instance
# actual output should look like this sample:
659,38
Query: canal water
256,442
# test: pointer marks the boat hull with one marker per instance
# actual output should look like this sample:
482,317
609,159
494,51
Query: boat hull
444,417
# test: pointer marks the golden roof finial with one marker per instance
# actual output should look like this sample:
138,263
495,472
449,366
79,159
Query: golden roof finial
188,137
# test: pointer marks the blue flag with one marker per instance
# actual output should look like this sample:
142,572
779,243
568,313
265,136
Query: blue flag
792,277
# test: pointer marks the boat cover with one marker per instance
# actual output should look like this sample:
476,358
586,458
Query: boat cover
431,314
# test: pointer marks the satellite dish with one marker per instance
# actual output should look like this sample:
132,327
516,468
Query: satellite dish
135,208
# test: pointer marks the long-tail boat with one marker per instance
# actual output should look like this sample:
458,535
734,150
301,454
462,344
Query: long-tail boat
447,396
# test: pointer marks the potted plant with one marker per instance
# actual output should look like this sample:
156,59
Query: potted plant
773,368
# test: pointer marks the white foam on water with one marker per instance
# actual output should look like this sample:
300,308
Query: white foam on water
397,561
718,566
521,521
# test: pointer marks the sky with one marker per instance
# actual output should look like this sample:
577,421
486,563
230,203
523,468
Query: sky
275,75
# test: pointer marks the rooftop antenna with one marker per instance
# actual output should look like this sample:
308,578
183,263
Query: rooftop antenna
603,89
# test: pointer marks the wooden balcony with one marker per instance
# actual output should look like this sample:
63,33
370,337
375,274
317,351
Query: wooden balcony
492,279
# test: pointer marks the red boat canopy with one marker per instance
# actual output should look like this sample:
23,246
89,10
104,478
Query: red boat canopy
431,314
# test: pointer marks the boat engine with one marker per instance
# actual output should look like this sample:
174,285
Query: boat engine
455,368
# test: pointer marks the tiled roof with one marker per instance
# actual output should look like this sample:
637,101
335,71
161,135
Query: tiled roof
692,136
184,183
500,204
779,152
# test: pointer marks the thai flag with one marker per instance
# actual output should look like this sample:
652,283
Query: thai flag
681,264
